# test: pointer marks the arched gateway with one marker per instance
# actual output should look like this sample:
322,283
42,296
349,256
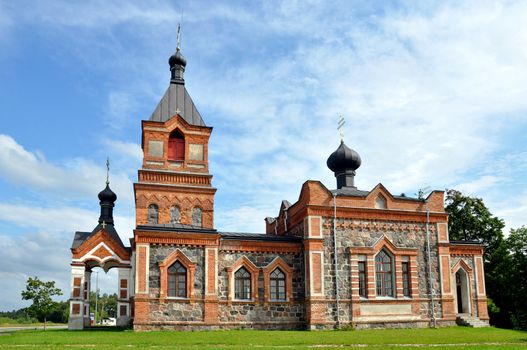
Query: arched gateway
103,248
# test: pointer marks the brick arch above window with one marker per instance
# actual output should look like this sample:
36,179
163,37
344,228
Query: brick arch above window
177,255
398,254
244,261
461,264
278,263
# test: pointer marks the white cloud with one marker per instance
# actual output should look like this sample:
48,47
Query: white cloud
77,179
45,255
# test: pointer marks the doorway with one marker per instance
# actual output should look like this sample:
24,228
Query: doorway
462,292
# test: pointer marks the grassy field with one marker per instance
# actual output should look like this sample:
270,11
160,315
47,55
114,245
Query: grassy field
444,338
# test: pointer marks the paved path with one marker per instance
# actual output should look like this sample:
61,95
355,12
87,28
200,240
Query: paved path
23,328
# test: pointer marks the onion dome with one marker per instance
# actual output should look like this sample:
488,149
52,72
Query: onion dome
107,195
177,59
343,162
177,65
107,199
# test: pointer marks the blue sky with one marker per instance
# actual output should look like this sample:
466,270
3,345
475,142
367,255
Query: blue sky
433,94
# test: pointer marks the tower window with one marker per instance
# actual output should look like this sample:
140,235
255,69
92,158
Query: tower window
197,216
384,274
175,214
176,146
153,214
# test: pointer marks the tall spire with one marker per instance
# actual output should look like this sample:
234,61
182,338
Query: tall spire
177,62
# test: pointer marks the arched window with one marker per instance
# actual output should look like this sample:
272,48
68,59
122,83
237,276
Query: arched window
242,284
153,214
277,285
384,274
196,216
380,202
176,146
177,280
175,214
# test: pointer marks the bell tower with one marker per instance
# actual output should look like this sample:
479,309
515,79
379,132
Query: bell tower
174,188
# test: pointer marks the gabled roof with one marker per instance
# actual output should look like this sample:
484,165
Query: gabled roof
81,237
177,100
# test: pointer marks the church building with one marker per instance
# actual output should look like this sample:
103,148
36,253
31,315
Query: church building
337,257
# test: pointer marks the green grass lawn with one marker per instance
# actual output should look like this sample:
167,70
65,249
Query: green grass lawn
443,338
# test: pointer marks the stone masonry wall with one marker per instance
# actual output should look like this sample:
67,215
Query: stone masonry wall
365,233
261,314
173,310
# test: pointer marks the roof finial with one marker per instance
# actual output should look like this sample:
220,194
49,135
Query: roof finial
340,127
178,47
107,170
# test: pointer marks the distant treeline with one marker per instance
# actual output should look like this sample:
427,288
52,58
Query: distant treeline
59,314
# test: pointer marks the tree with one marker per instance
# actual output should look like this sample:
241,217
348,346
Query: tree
40,292
470,219
517,282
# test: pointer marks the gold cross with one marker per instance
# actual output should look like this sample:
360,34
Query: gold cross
103,224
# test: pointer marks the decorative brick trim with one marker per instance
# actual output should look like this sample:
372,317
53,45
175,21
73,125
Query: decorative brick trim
142,268
100,237
462,264
196,240
278,262
260,247
177,255
465,250
397,254
316,269
253,270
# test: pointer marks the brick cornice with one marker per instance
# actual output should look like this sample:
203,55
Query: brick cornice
376,214
190,239
260,247
465,249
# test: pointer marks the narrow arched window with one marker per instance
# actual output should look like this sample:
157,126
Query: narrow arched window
384,274
380,202
175,214
177,280
197,216
153,214
176,146
277,285
242,284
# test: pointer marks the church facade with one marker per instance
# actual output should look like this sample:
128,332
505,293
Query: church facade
339,257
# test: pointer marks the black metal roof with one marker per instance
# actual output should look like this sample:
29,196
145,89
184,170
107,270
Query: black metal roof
353,192
258,237
177,100
471,242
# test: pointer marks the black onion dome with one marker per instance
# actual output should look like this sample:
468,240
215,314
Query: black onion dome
107,195
344,158
177,59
